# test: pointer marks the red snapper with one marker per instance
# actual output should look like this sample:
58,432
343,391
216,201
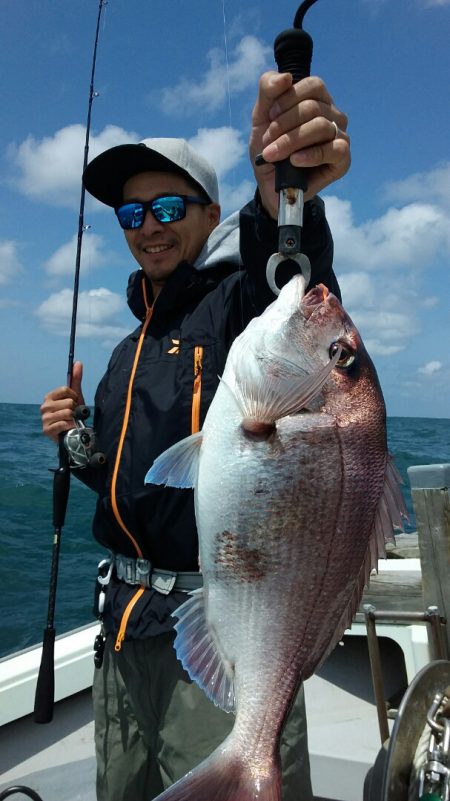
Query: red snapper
295,495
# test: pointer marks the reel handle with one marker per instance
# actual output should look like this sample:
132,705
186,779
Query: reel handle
81,412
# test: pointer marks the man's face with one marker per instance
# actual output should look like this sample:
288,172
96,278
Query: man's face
160,247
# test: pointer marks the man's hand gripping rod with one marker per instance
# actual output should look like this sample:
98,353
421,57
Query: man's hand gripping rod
293,53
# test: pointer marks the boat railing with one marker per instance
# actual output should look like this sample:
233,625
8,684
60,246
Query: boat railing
396,775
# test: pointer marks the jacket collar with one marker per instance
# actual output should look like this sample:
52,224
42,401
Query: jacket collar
185,285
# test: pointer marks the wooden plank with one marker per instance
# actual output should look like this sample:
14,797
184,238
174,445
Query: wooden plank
396,591
406,547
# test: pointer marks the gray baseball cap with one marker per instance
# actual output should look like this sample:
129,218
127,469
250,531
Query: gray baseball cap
105,176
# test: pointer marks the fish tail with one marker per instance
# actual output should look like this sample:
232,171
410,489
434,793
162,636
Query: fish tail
225,777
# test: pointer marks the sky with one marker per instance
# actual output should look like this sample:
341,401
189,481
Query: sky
191,69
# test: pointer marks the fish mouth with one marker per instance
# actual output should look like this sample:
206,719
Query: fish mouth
313,299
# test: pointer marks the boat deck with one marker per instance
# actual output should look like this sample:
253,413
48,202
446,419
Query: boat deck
56,759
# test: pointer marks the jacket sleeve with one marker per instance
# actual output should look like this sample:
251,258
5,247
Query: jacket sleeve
259,239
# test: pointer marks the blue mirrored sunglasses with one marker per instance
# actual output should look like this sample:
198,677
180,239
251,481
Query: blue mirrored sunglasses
165,209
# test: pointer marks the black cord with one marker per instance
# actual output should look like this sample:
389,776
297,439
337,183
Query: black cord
20,789
298,21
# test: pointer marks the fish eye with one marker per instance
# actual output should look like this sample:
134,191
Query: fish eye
347,357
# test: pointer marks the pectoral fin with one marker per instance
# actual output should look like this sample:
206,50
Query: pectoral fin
279,392
178,465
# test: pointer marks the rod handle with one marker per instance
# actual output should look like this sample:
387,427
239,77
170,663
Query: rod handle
45,688
61,481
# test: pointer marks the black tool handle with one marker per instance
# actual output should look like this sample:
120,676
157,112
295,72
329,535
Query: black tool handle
293,49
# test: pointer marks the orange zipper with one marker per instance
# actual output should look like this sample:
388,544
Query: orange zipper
197,390
125,616
117,515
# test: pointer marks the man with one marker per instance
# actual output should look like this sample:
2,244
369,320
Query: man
193,295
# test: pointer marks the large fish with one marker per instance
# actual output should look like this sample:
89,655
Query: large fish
295,495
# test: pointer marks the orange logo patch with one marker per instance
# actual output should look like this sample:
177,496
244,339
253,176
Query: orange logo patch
174,351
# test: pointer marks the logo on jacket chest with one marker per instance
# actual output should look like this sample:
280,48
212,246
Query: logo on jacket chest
175,349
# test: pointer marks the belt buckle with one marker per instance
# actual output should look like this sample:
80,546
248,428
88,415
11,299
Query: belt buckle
143,571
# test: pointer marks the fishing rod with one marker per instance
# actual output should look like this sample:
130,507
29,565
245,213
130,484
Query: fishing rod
75,449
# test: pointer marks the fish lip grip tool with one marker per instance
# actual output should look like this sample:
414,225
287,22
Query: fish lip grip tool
293,53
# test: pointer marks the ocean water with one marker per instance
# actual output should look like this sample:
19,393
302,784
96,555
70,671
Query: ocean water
26,529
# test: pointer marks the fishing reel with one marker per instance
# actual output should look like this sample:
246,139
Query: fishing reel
80,442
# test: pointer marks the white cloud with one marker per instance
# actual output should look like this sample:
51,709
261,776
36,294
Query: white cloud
224,147
50,169
234,197
384,332
381,265
432,186
247,61
410,237
62,262
358,290
431,368
98,313
10,265
430,302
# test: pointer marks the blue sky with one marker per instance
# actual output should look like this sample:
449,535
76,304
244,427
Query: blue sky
190,69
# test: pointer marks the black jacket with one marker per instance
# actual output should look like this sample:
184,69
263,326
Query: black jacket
193,322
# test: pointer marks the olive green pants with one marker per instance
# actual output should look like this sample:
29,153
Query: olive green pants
153,725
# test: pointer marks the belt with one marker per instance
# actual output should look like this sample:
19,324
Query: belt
140,571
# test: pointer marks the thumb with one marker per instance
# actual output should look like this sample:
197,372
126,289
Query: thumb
77,375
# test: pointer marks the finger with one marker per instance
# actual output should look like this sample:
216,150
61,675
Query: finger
61,393
297,116
52,405
56,420
326,163
310,88
321,177
313,134
59,400
271,86
53,431
315,156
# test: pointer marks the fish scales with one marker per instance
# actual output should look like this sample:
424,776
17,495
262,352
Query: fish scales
303,588
289,473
